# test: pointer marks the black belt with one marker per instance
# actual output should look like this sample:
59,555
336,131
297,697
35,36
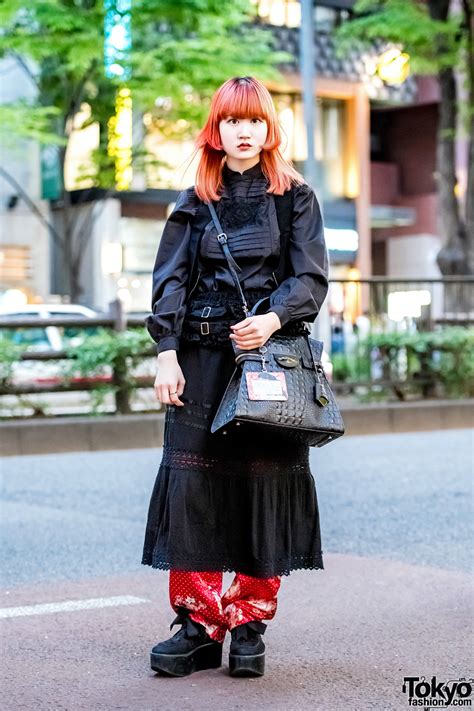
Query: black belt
210,315
209,329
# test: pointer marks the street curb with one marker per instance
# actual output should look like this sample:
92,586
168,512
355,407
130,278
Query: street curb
139,431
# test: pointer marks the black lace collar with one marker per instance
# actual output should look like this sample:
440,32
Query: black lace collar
254,172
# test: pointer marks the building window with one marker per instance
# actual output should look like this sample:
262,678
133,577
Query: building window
328,18
287,13
15,266
330,137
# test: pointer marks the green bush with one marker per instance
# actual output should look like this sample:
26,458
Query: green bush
444,357
109,353
10,353
106,349
351,366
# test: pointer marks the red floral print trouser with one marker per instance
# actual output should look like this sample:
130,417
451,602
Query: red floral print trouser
247,599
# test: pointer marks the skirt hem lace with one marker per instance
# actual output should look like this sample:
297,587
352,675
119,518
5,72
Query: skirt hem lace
264,571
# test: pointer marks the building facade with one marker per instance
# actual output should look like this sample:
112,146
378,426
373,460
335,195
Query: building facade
375,147
24,239
350,97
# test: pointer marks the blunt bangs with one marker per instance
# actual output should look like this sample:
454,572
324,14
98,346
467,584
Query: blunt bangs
241,101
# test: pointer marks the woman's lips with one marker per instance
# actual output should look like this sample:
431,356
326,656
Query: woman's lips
244,147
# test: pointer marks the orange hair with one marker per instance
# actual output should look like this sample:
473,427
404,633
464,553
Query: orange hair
242,97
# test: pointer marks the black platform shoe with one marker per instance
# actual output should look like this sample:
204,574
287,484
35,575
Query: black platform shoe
189,650
247,650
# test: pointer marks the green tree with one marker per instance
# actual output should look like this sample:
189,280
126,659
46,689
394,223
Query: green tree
180,52
439,37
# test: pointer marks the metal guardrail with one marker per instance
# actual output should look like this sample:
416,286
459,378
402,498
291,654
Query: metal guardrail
448,300
421,305
85,322
457,294
117,321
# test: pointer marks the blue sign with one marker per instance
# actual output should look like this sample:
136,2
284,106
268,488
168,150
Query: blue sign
117,37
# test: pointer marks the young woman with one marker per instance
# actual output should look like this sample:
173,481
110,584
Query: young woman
222,501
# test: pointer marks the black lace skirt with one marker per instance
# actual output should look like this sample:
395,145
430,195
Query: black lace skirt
222,502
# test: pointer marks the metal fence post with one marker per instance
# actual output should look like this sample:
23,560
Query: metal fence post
119,366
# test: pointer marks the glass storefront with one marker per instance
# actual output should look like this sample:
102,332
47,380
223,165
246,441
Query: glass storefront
287,13
329,136
139,239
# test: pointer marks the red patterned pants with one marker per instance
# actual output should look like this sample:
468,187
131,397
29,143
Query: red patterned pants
247,599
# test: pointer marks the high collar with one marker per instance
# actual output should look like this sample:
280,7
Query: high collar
254,172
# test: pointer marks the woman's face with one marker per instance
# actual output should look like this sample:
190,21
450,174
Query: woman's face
242,139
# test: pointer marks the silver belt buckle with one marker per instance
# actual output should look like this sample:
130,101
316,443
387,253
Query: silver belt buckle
206,311
204,326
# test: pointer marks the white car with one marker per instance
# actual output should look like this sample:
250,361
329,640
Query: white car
49,338
40,338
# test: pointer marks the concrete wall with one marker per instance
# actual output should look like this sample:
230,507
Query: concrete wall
21,160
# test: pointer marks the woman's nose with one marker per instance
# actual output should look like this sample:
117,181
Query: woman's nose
245,130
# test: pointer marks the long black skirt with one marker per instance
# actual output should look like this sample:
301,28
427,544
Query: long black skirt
224,502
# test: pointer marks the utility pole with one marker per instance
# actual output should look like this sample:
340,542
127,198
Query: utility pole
308,85
321,328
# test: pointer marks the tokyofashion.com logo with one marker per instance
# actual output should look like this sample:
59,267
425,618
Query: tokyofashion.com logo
437,694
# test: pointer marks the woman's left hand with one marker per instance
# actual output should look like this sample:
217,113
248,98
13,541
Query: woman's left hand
254,331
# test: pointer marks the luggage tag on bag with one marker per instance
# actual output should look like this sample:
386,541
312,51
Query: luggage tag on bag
265,385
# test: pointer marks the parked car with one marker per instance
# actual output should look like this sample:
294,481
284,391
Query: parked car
40,338
49,338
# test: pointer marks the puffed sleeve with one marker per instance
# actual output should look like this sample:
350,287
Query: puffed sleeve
301,295
170,274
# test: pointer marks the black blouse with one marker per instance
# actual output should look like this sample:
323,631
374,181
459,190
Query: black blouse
248,216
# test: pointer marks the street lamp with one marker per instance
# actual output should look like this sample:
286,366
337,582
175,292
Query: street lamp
393,66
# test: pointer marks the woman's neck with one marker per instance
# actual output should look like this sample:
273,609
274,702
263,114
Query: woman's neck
241,165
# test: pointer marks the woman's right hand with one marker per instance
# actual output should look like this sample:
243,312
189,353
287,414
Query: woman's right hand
169,381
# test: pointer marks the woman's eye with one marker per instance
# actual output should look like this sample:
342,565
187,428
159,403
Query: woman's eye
233,120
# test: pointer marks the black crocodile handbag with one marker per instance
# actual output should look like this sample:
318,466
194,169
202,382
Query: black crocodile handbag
279,387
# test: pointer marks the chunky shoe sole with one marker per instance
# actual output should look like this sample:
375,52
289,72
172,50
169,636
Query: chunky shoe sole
247,665
208,656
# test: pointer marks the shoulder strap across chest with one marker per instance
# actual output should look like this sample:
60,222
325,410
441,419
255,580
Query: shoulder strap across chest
284,210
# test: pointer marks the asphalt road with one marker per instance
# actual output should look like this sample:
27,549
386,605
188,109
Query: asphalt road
395,598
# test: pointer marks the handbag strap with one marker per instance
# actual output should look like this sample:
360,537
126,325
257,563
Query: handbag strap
233,266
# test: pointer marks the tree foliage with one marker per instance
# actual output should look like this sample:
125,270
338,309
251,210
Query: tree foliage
439,37
408,23
180,51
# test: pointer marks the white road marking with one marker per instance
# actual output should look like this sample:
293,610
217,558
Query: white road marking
93,603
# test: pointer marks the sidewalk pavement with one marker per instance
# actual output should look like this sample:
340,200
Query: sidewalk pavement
342,639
